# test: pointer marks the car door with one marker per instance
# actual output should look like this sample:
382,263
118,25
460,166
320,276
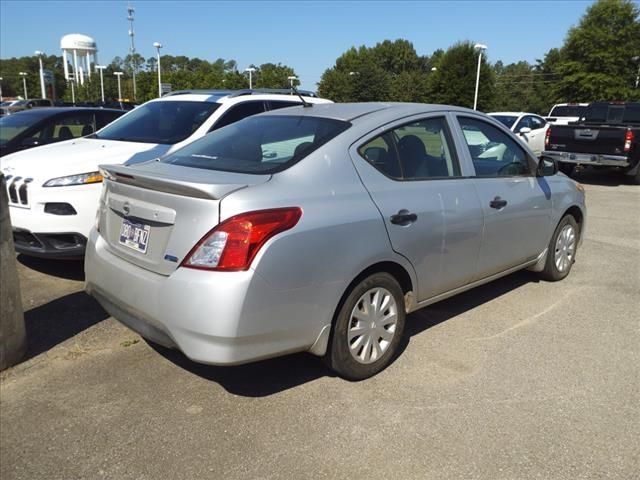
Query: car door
432,213
538,131
516,203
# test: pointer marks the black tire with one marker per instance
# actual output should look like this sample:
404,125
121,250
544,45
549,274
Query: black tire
339,357
551,271
567,168
635,179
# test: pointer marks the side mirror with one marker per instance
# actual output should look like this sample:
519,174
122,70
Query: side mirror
524,130
30,142
547,167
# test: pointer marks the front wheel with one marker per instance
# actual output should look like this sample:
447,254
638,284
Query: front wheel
368,328
562,250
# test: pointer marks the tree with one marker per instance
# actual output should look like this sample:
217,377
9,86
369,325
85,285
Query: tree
597,56
453,83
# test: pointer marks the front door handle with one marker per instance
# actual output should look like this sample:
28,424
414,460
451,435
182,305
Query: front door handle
498,203
403,218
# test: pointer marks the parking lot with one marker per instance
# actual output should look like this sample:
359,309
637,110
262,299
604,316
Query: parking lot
518,379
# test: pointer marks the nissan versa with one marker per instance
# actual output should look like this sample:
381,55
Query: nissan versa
320,228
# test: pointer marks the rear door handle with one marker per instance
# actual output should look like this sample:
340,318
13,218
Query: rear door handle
403,218
498,203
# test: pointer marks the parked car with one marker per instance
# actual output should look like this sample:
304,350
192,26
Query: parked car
529,127
565,113
21,105
318,229
42,126
608,136
54,190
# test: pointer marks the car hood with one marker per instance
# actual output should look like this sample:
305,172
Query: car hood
75,156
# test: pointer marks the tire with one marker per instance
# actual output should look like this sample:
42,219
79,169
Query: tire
561,253
567,168
359,349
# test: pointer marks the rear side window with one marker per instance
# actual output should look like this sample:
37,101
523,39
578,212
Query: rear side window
238,112
105,118
276,104
417,151
260,145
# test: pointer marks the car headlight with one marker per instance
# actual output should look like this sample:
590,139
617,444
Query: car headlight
80,179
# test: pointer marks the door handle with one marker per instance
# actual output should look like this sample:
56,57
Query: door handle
498,203
403,218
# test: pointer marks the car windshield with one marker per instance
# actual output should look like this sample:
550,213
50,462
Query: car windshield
259,145
568,111
506,120
13,125
166,122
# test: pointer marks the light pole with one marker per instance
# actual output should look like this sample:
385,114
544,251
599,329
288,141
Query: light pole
292,79
132,49
0,89
24,83
158,46
43,92
637,59
481,48
119,74
72,79
250,70
100,68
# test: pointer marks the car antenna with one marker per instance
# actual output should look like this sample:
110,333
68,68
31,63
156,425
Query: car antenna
304,102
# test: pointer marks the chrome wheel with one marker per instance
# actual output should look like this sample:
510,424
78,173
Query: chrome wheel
565,248
372,325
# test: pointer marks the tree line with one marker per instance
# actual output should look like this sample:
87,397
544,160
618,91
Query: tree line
598,60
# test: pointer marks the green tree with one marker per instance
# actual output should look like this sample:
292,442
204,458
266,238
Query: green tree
453,83
596,61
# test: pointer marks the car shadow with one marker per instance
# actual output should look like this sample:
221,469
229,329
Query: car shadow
67,269
54,322
601,177
268,377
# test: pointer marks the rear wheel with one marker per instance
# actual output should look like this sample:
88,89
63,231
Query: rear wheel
567,168
562,250
368,328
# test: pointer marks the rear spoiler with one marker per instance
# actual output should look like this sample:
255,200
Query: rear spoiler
197,185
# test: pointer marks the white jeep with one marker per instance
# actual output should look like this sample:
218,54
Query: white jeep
54,190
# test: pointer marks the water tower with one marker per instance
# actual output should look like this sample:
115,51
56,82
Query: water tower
81,48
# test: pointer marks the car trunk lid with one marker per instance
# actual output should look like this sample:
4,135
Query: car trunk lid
153,214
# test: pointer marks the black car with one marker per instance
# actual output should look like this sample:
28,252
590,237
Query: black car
41,126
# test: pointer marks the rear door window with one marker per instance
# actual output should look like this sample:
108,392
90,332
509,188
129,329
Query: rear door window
276,104
238,112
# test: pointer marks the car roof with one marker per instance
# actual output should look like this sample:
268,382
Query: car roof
222,96
352,111
513,114
50,111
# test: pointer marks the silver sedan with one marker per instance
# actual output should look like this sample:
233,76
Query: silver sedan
320,228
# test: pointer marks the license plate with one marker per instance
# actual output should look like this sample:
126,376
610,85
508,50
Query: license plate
134,235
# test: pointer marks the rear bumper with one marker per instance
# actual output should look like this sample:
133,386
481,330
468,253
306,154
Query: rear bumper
49,245
589,158
218,318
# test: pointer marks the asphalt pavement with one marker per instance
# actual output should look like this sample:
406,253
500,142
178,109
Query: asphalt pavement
517,379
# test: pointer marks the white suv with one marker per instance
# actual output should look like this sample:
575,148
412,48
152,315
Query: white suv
54,190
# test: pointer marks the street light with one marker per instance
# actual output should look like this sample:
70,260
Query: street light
250,70
158,46
24,83
481,48
292,79
434,69
637,59
43,92
0,89
119,74
100,68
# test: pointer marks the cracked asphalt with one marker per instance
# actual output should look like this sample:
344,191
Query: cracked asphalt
517,379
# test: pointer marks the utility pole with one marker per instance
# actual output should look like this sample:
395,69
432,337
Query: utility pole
132,49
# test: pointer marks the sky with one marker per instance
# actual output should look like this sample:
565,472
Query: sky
305,35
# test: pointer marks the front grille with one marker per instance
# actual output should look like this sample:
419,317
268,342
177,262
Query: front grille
17,190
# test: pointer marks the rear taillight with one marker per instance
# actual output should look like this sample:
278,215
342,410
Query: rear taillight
628,140
233,244
547,136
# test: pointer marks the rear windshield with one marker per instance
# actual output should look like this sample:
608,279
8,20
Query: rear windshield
259,144
166,122
506,120
614,113
568,111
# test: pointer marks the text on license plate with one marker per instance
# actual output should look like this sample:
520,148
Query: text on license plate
134,235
